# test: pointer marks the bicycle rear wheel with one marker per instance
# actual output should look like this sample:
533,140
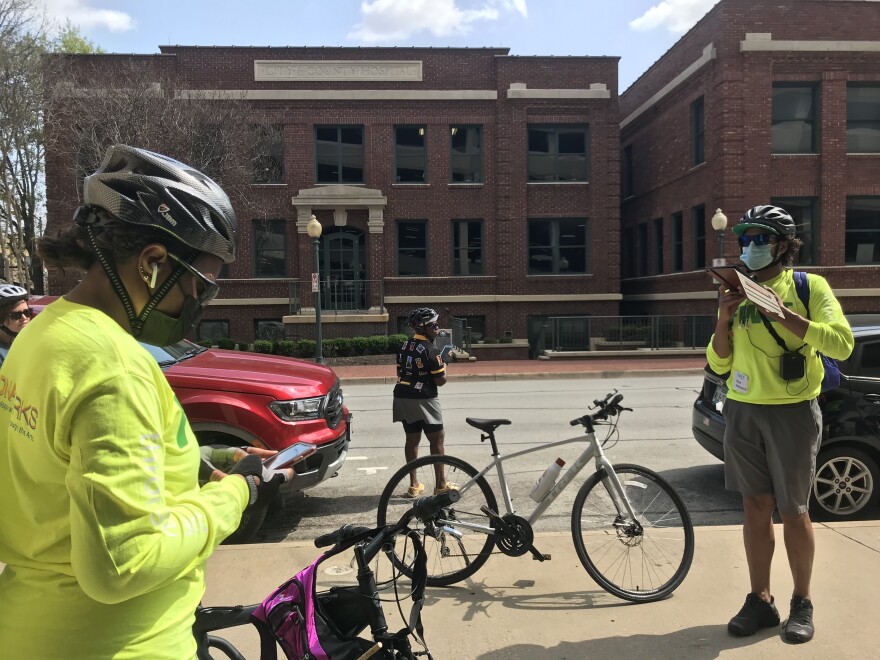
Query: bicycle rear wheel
642,560
454,553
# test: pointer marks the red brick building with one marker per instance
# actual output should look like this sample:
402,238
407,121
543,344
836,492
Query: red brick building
759,102
469,180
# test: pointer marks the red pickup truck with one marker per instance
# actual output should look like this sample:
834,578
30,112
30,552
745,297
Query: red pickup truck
241,398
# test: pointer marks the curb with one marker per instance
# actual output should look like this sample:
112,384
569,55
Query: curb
541,375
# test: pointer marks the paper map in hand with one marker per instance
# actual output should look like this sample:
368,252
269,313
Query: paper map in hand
760,295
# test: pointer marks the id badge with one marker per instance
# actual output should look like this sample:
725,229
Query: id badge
740,382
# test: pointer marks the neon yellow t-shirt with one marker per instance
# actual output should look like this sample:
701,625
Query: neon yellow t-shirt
103,527
754,360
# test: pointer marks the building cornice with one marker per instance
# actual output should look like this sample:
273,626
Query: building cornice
756,42
707,56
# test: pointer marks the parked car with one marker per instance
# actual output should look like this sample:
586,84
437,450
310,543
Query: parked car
237,398
847,482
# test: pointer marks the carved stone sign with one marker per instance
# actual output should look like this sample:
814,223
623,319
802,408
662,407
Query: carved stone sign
331,70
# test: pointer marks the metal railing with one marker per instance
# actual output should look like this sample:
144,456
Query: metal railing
338,296
461,333
620,333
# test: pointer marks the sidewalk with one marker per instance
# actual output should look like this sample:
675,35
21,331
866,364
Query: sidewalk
612,367
516,608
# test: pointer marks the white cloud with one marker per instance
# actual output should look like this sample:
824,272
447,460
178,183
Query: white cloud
391,20
676,16
83,15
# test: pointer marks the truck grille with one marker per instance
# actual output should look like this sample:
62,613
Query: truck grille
333,407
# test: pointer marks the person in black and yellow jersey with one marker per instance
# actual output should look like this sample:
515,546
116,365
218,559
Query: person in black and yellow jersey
420,371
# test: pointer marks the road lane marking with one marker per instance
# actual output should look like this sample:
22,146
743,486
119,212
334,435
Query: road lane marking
371,470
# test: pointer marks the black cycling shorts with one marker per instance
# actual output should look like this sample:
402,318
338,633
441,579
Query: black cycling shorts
419,426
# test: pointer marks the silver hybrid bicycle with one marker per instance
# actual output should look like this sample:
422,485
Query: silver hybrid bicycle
631,530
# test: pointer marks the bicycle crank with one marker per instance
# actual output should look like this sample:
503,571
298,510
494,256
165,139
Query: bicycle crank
515,536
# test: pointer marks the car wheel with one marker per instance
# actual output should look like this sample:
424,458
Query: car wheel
847,482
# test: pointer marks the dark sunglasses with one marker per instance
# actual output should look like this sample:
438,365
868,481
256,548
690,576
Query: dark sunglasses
16,316
209,288
757,239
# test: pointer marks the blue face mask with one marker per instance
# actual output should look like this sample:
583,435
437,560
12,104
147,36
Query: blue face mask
756,257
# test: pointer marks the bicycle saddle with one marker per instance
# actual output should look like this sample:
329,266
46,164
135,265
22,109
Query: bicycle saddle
487,425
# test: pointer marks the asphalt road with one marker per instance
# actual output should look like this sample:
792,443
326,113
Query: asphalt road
657,435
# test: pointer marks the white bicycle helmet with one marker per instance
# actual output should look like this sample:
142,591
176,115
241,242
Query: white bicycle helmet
10,293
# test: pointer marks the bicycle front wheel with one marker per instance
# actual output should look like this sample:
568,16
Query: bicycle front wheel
454,552
641,560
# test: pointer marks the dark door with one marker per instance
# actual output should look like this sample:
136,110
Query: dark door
342,270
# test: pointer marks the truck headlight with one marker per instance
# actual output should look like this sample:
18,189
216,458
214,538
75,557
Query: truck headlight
298,410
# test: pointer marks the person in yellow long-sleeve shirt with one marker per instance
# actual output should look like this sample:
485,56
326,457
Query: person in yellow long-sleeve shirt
773,421
104,529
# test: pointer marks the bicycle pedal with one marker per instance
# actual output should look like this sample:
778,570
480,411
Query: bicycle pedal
541,557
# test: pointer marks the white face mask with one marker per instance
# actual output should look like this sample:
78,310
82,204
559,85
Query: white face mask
756,257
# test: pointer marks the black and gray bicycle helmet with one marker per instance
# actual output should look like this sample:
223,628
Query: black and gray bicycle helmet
139,187
12,293
768,217
419,318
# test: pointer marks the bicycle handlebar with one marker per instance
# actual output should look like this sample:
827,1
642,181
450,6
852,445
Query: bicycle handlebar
608,406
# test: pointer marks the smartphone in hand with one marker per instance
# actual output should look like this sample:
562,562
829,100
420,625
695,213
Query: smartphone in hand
728,275
289,456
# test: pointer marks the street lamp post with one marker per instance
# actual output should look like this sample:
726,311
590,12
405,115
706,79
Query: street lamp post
314,230
719,224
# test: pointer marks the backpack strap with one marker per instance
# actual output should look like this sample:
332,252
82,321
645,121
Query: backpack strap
802,286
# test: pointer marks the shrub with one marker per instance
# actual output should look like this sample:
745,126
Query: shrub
207,343
332,348
284,347
505,340
490,340
378,345
305,348
359,345
395,342
263,346
226,344
242,346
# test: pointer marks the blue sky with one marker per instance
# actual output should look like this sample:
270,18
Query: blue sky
639,31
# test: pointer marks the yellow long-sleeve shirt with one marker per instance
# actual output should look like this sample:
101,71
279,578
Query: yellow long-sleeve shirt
754,359
103,527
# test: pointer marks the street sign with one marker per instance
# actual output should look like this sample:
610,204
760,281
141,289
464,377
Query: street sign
314,283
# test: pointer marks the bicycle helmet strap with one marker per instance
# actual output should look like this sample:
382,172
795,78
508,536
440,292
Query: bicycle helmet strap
136,322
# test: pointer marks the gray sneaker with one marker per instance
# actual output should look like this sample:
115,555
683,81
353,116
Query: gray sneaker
799,626
755,614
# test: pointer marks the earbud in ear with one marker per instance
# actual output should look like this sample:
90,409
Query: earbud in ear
154,275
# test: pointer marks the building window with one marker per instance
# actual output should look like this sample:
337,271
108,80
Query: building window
698,224
863,119
213,330
803,212
412,248
658,246
862,230
558,153
642,249
698,127
410,154
557,246
677,242
627,249
339,154
626,171
269,248
267,158
466,154
475,326
467,247
795,119
268,329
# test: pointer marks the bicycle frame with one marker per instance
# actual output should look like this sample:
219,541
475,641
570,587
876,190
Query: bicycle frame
592,451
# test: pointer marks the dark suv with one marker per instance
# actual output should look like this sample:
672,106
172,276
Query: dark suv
847,481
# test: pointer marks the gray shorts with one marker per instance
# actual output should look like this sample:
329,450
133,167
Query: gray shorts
418,410
772,450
